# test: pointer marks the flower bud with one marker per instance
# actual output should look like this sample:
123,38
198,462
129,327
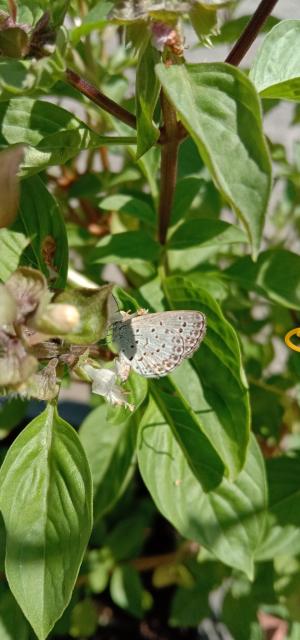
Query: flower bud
57,319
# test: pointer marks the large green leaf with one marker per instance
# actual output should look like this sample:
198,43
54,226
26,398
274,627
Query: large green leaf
275,71
228,520
282,536
276,275
41,221
12,245
205,233
219,107
215,386
125,248
45,500
147,92
53,135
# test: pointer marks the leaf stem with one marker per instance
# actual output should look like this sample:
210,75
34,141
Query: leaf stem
250,32
100,98
168,175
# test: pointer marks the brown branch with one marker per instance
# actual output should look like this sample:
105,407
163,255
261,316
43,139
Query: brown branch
100,99
250,32
168,171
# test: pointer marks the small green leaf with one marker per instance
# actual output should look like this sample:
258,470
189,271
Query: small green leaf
228,520
45,500
96,18
147,92
119,248
130,206
276,275
92,305
40,219
205,233
25,77
14,42
275,71
126,589
185,192
12,245
219,108
52,135
84,619
189,607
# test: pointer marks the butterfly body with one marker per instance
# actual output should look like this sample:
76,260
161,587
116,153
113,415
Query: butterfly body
156,343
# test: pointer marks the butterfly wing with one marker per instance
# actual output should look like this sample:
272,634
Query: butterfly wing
156,343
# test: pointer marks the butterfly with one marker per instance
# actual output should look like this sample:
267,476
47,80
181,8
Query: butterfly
153,344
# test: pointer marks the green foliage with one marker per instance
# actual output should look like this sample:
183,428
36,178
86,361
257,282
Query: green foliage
132,180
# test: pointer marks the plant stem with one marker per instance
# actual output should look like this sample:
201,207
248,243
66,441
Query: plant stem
250,32
100,99
169,155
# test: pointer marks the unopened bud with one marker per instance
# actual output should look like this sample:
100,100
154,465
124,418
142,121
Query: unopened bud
58,319
8,307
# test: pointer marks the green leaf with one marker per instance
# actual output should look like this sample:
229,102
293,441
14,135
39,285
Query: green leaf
125,248
13,625
185,192
220,109
126,589
96,18
45,500
217,392
147,93
205,233
227,520
25,77
232,29
92,305
205,22
275,71
40,219
130,206
189,607
84,619
12,412
52,134
276,275
282,535
12,245
201,457
110,450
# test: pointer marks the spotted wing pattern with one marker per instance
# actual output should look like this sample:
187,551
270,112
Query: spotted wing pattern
156,343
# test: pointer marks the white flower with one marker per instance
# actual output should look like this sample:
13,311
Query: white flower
104,384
